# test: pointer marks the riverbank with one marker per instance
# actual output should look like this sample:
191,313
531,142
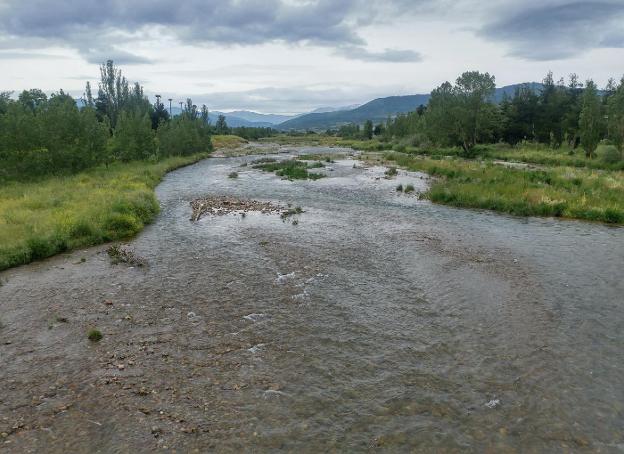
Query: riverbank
520,181
565,192
40,219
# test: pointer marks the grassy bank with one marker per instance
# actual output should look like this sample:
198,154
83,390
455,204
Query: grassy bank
40,219
226,142
569,192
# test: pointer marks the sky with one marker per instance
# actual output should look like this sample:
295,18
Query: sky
292,56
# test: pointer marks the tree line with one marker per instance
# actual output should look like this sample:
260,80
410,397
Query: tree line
41,135
465,114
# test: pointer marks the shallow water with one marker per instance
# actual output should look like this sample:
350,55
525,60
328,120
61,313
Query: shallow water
379,321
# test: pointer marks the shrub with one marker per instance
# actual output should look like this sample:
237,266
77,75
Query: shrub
95,335
609,154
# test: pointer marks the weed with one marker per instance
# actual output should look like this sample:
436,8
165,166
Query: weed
233,175
391,172
409,188
95,335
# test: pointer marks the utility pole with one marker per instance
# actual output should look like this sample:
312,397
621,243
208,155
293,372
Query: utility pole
170,113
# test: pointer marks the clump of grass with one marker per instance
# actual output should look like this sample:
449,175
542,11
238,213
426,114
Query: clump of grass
291,212
290,169
121,254
233,175
41,218
409,188
399,188
95,335
391,172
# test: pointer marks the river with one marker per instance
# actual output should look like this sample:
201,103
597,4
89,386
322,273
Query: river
378,322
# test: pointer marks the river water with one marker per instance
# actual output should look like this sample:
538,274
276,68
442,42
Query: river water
378,322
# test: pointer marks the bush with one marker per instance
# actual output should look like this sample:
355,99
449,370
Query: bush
609,154
95,335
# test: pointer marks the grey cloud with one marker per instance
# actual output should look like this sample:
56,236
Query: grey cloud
226,22
554,30
388,55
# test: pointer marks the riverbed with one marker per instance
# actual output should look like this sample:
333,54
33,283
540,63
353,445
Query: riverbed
376,321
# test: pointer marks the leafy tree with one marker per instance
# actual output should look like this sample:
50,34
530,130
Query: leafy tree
134,137
520,115
115,95
88,96
616,117
463,114
159,114
379,129
368,129
474,118
590,122
221,127
32,99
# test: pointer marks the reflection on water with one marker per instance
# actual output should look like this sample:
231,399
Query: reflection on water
379,320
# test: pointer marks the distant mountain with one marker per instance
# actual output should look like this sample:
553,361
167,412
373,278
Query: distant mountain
377,110
258,117
334,109
231,120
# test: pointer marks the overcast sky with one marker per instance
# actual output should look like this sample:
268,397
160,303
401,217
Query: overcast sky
288,56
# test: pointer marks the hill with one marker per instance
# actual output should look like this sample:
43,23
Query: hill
377,110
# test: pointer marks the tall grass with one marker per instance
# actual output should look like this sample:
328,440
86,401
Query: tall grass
40,219
569,192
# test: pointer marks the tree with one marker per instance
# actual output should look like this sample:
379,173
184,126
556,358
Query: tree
590,123
32,99
221,127
159,113
115,95
5,98
463,114
616,117
88,95
368,129
379,130
134,137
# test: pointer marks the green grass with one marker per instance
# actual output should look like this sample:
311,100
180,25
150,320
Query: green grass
570,192
94,335
291,169
40,219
